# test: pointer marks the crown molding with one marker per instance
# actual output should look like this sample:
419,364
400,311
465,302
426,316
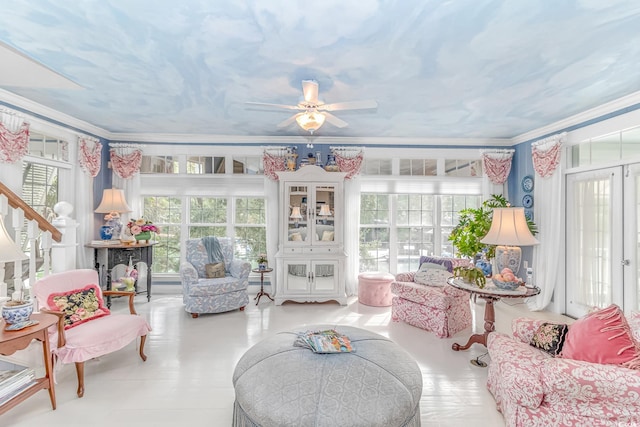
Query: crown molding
50,115
601,112
266,140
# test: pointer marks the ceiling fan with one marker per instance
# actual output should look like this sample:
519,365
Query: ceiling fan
312,112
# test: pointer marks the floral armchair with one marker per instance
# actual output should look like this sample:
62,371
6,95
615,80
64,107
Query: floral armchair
213,295
533,388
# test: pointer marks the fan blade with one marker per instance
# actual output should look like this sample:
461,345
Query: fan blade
334,120
352,105
263,104
310,91
288,122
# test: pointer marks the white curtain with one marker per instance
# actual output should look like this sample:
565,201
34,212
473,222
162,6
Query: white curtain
273,209
352,233
548,256
83,209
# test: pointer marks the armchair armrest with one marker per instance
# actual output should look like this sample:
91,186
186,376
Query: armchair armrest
62,339
405,277
188,274
523,328
240,269
130,294
585,388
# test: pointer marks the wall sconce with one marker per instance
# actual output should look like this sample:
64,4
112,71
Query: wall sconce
296,216
113,204
509,230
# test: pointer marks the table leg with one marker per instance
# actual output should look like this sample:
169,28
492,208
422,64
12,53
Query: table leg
48,366
262,292
489,326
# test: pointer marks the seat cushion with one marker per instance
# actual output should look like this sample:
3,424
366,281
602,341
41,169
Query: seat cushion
425,295
223,285
99,337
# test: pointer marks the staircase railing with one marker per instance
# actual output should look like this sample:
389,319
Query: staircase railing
38,232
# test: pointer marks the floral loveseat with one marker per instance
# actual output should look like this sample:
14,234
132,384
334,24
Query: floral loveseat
533,388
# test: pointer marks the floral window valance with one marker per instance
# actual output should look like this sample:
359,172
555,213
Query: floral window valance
349,160
90,156
546,154
274,161
497,165
125,160
14,137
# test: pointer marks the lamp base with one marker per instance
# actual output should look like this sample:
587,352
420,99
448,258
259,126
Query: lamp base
106,232
508,256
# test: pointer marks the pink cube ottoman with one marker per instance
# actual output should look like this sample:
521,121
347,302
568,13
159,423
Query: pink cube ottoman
374,289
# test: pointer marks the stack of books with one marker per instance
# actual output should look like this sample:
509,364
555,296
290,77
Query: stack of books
15,381
327,341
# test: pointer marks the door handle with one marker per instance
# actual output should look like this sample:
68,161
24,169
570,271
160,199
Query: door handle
625,262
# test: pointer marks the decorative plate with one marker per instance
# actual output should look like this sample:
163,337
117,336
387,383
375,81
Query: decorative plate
527,184
528,213
527,201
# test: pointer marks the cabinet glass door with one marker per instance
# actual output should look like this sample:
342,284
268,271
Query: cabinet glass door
297,216
297,280
324,276
324,213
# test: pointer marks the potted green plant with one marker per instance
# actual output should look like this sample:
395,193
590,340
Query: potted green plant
474,224
262,262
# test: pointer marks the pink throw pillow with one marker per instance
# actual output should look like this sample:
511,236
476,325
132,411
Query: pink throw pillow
602,337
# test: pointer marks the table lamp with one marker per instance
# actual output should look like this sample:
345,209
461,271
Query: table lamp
113,204
296,216
9,252
324,213
509,230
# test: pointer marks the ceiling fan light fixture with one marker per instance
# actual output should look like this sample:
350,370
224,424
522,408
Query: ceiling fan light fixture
310,120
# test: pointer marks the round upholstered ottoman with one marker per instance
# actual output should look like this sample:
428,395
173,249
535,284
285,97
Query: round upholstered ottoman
375,289
279,384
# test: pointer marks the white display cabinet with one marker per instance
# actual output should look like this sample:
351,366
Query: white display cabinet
311,258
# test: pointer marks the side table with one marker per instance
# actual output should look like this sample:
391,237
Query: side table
490,294
262,292
12,341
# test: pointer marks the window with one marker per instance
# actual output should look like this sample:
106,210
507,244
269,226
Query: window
459,167
248,165
418,167
159,164
250,228
40,188
182,218
397,229
166,213
374,232
48,147
376,167
200,165
207,217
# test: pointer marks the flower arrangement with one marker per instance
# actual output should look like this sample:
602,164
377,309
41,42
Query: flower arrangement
262,259
141,225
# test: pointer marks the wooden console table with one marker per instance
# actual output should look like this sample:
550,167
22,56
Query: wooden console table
12,341
107,256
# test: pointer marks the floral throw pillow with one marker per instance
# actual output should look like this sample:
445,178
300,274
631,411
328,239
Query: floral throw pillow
78,305
431,274
550,338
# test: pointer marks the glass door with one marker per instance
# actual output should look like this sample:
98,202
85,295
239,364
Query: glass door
594,276
297,214
631,261
297,280
324,276
324,214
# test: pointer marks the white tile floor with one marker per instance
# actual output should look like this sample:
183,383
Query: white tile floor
186,379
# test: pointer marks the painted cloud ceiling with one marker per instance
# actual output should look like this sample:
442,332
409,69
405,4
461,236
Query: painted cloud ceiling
437,69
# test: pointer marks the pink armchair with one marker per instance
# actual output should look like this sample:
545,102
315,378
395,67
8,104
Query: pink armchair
80,337
532,388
